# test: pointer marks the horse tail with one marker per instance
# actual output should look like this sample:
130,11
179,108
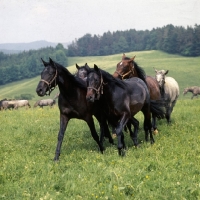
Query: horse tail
158,108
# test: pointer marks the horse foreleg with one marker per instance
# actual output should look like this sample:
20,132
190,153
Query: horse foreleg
104,130
63,125
94,134
120,135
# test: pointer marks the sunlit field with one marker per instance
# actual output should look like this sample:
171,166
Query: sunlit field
184,69
168,169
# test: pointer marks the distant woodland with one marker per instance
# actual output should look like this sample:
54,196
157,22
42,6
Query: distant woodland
28,64
170,39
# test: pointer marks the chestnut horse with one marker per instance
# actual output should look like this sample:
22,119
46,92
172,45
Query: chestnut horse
128,68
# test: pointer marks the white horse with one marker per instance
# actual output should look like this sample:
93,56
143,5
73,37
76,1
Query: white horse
45,102
194,89
169,91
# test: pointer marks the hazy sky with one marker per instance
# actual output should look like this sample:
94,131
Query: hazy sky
65,20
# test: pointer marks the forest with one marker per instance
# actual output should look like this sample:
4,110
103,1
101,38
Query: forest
27,64
170,39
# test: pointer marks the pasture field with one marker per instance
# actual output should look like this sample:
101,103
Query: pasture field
184,69
169,169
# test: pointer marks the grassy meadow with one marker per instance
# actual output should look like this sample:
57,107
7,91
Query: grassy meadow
169,169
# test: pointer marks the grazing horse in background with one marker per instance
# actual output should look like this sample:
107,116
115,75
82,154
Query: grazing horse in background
3,104
195,90
71,101
128,68
169,89
122,100
45,102
15,104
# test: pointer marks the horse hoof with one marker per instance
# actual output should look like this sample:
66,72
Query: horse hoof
114,135
152,141
56,159
122,152
155,131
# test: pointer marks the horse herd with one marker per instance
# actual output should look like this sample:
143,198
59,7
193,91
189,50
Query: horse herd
114,100
15,104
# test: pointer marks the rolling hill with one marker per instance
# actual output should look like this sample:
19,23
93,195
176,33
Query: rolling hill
184,69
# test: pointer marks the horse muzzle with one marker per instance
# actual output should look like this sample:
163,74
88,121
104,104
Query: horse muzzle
41,90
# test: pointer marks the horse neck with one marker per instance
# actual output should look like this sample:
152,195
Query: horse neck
66,84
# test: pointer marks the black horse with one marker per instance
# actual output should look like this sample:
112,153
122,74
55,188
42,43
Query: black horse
122,100
71,101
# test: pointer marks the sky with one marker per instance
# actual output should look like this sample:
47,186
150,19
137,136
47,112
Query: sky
63,21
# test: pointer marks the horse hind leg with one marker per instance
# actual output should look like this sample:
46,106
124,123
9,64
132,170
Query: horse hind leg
147,124
133,134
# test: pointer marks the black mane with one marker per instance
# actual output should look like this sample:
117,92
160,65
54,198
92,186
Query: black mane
75,80
109,78
140,71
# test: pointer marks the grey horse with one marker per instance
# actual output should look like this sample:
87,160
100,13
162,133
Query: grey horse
45,102
194,89
169,91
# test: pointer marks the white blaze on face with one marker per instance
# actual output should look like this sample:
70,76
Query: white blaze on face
159,78
120,63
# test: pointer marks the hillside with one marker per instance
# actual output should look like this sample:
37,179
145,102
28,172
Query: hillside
184,69
19,47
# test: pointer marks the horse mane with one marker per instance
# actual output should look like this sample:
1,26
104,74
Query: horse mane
113,80
76,80
140,71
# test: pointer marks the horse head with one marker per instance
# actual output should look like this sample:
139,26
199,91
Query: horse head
160,77
185,91
94,84
48,78
82,71
125,68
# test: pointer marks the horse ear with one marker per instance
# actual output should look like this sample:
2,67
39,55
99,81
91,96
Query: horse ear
123,56
87,67
96,68
155,70
166,72
51,61
77,67
44,63
132,59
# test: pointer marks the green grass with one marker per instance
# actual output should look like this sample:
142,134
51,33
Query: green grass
184,69
167,170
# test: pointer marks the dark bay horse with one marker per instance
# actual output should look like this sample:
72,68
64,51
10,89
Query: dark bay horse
169,91
71,101
128,68
195,90
82,72
122,100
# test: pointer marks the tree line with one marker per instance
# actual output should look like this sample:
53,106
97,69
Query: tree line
27,64
170,39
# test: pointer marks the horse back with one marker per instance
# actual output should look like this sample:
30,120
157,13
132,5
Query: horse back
171,88
153,87
137,93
